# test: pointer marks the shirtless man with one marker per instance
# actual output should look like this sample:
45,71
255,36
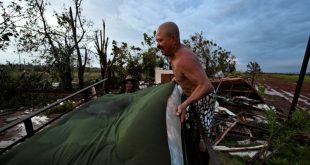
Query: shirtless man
188,72
195,84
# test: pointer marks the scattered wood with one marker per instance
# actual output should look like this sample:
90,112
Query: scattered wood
224,133
237,149
249,132
240,115
242,124
258,154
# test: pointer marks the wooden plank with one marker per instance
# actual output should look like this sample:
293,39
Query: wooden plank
224,133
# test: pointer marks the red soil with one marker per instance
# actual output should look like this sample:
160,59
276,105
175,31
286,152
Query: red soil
285,86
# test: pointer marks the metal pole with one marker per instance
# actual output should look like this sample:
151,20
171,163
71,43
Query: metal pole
303,71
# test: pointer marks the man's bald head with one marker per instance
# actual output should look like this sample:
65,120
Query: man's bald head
168,38
171,29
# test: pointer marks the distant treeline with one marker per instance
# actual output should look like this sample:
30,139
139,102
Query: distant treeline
40,67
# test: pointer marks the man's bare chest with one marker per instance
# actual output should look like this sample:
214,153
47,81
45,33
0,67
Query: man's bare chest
178,74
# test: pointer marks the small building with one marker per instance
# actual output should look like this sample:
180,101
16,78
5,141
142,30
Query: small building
163,76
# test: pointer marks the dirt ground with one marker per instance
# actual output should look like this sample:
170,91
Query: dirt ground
280,92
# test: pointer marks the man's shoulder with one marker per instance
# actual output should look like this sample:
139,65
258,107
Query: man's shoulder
186,61
186,50
184,58
187,56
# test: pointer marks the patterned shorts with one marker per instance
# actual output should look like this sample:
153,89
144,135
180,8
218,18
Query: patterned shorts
200,116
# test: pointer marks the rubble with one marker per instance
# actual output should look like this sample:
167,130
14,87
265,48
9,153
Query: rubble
240,122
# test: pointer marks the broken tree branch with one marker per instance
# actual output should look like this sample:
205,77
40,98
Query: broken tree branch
237,149
224,133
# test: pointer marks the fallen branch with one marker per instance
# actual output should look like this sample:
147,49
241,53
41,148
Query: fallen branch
224,133
237,149
258,154
249,132
242,124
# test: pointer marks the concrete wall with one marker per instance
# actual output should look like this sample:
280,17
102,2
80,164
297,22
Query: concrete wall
159,72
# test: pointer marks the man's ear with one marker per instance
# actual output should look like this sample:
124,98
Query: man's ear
173,37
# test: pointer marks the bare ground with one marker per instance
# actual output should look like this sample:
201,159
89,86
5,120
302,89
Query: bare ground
280,92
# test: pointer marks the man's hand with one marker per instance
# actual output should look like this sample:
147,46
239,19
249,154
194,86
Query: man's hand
181,112
173,80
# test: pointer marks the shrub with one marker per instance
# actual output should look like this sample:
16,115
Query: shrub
67,105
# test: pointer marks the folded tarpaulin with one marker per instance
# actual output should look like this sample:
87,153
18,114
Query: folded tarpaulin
113,129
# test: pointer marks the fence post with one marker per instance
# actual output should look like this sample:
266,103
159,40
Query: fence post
86,95
28,127
302,73
94,92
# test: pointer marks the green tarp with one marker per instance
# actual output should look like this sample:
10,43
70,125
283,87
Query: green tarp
113,129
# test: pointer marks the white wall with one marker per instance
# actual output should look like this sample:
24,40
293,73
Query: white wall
159,72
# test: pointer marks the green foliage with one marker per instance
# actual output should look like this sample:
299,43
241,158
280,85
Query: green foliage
136,61
14,83
291,77
88,76
272,123
28,99
151,57
228,159
11,14
8,83
253,68
282,138
34,80
213,57
59,46
261,89
126,60
67,105
291,153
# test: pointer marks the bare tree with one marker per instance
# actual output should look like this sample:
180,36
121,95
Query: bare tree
77,22
56,44
101,45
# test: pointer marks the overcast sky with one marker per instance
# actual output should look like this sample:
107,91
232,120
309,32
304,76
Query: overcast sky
273,33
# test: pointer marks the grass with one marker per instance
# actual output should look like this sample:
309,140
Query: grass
293,77
283,139
13,83
291,154
67,105
227,159
88,76
261,89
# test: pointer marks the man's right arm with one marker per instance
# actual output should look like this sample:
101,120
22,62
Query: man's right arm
202,85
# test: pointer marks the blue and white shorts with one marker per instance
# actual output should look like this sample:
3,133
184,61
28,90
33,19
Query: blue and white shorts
200,116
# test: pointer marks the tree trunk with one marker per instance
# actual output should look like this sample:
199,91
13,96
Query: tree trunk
80,65
81,77
65,75
101,45
65,80
68,76
252,80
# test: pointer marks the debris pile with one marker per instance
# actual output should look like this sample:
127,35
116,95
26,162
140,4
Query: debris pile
240,125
